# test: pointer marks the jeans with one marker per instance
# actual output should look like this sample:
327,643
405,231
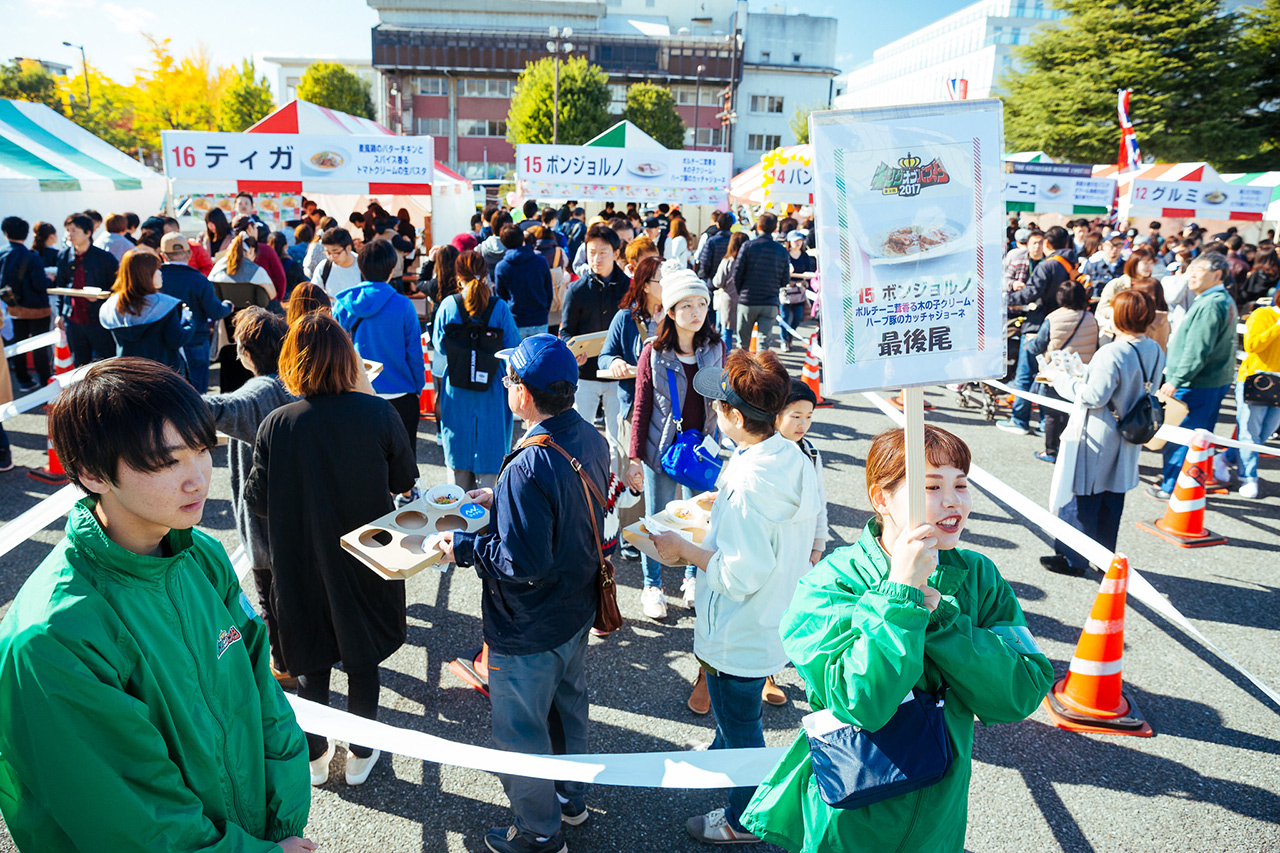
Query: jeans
1096,516
735,701
23,329
1202,413
1022,380
793,316
532,695
89,342
1256,424
725,322
362,700
588,397
530,331
197,353
660,490
750,315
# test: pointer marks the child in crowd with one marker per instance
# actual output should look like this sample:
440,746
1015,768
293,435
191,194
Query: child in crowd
902,608
794,424
135,688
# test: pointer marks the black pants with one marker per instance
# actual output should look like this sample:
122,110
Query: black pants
23,329
231,373
89,342
1098,517
406,407
262,580
362,700
1053,421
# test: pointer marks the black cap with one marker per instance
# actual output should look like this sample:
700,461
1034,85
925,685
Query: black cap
713,383
652,222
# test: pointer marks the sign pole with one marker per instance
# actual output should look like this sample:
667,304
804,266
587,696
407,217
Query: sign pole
913,406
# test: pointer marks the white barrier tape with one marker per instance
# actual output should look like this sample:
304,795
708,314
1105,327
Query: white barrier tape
1168,432
44,395
721,768
1096,668
38,517
1138,586
46,339
794,333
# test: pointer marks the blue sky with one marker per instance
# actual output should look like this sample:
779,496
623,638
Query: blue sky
111,31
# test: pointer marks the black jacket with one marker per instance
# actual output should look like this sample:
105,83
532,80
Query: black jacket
538,560
713,251
763,267
190,286
589,306
23,270
100,268
1041,291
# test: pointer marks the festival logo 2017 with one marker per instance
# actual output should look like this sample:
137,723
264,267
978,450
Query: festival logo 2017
908,177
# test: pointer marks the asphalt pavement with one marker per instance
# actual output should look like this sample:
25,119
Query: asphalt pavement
1208,781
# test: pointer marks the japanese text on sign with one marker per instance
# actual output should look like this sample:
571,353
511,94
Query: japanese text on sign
316,159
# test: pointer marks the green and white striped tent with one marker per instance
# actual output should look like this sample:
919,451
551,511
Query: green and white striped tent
50,167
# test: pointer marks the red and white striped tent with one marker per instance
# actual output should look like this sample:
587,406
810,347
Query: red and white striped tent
747,187
1200,176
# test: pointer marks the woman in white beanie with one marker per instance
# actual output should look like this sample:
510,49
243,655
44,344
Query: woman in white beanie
686,340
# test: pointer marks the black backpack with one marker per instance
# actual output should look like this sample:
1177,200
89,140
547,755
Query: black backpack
1144,419
471,348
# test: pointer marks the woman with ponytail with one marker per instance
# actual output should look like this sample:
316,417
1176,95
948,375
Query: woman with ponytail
475,423
240,281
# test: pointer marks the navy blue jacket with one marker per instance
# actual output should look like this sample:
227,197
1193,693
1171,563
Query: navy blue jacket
538,560
1041,292
763,268
589,306
624,342
190,286
100,268
30,288
713,252
523,278
158,333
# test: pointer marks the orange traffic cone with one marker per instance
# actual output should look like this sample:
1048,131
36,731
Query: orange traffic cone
474,670
1183,522
427,402
1214,464
755,339
1091,697
52,472
811,373
62,361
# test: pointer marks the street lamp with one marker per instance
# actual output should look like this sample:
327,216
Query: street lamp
697,102
556,46
84,63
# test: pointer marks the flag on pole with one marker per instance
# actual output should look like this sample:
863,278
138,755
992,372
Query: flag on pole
957,88
1130,157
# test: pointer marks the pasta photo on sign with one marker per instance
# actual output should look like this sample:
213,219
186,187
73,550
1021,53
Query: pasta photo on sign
910,208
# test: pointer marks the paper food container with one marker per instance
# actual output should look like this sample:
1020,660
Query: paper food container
590,345
372,368
397,545
690,518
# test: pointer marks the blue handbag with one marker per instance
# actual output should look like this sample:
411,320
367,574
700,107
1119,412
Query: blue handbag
855,767
686,461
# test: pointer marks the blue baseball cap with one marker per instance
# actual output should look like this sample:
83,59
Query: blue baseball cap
541,360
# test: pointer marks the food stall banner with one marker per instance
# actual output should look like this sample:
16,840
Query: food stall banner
910,219
623,174
1204,199
198,161
1056,188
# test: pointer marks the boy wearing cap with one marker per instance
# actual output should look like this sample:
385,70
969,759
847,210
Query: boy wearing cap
183,282
1111,265
538,562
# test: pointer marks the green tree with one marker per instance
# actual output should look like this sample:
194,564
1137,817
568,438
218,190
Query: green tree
1260,41
584,102
26,80
799,122
330,85
653,109
246,100
1192,87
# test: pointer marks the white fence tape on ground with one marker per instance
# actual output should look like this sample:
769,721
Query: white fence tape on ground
44,395
1167,432
1093,551
47,339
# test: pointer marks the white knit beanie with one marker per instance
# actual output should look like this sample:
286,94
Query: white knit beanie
681,284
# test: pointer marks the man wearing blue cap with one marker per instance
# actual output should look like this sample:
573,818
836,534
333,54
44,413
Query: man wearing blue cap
538,563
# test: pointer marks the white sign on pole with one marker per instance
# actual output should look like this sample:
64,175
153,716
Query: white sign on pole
198,156
623,174
1202,198
910,217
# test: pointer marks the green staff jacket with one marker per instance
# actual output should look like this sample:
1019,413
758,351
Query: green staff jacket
137,707
861,642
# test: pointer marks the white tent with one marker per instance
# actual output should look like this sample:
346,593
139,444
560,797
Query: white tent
50,167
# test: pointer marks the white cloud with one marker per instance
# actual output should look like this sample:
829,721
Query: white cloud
128,20
59,8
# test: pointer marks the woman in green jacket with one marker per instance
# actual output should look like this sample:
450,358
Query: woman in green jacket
901,609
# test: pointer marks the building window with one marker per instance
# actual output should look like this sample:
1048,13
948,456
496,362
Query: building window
432,85
763,141
705,95
708,137
472,87
766,103
433,127
764,56
478,170
795,57
481,127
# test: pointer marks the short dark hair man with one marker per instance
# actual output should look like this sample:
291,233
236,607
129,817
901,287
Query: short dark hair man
136,728
23,270
180,280
714,248
83,265
539,564
764,267
523,278
531,218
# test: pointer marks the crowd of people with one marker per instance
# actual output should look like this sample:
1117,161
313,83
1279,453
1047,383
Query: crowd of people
159,680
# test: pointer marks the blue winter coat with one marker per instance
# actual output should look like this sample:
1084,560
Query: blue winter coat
190,286
158,333
388,333
523,278
475,426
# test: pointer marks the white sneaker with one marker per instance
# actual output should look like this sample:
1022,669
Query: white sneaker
687,588
1249,488
654,602
358,769
1221,472
320,767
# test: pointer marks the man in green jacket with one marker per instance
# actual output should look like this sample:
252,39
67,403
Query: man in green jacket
1202,359
137,706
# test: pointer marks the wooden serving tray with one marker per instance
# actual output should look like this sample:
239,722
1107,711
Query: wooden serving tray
83,293
590,345
392,546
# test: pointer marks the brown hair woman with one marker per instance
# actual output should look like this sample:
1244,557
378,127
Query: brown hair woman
142,320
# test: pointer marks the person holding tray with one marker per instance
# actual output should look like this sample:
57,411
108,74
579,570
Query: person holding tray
313,478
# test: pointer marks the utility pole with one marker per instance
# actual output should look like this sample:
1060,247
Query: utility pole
556,46
697,102
84,64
